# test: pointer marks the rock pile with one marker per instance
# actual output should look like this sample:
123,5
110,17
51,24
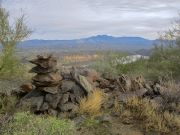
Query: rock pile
59,93
47,78
53,92
123,87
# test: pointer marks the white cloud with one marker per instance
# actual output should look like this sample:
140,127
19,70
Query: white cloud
67,19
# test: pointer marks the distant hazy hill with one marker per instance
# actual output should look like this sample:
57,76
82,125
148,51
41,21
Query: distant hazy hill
100,42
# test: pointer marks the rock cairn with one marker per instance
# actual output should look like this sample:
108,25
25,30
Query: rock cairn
47,78
52,92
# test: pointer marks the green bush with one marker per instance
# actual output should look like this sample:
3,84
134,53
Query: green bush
10,36
108,64
164,63
11,68
28,124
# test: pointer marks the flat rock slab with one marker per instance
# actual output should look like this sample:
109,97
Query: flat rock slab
52,90
41,70
49,79
45,62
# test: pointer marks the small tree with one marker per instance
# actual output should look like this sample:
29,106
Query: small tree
10,36
166,55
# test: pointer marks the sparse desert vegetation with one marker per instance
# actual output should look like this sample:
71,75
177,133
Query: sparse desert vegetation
111,95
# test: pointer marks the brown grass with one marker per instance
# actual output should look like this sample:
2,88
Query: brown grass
144,111
92,104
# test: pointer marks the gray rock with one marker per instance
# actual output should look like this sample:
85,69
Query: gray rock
67,86
44,107
65,98
33,93
79,120
72,98
52,112
65,73
67,107
53,100
47,80
40,70
85,84
141,92
104,118
62,115
52,90
33,103
78,92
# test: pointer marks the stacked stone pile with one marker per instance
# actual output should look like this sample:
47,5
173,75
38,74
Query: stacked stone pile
60,93
53,92
47,78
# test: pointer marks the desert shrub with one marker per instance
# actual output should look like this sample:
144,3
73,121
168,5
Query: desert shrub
170,93
108,62
137,67
161,64
11,68
92,103
29,124
165,61
10,36
145,112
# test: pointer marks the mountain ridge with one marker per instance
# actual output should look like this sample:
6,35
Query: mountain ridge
97,42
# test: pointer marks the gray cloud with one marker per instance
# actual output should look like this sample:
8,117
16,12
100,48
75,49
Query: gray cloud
60,19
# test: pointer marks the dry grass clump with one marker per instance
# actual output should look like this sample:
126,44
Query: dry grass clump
144,111
92,103
171,93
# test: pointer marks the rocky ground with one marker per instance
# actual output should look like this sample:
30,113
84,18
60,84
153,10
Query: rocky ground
59,93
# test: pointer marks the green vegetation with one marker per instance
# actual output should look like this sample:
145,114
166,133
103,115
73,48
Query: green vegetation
107,63
10,36
7,104
164,62
29,124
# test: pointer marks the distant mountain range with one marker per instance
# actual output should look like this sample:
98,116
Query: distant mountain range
99,42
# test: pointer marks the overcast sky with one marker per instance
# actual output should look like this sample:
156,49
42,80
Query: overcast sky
70,19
